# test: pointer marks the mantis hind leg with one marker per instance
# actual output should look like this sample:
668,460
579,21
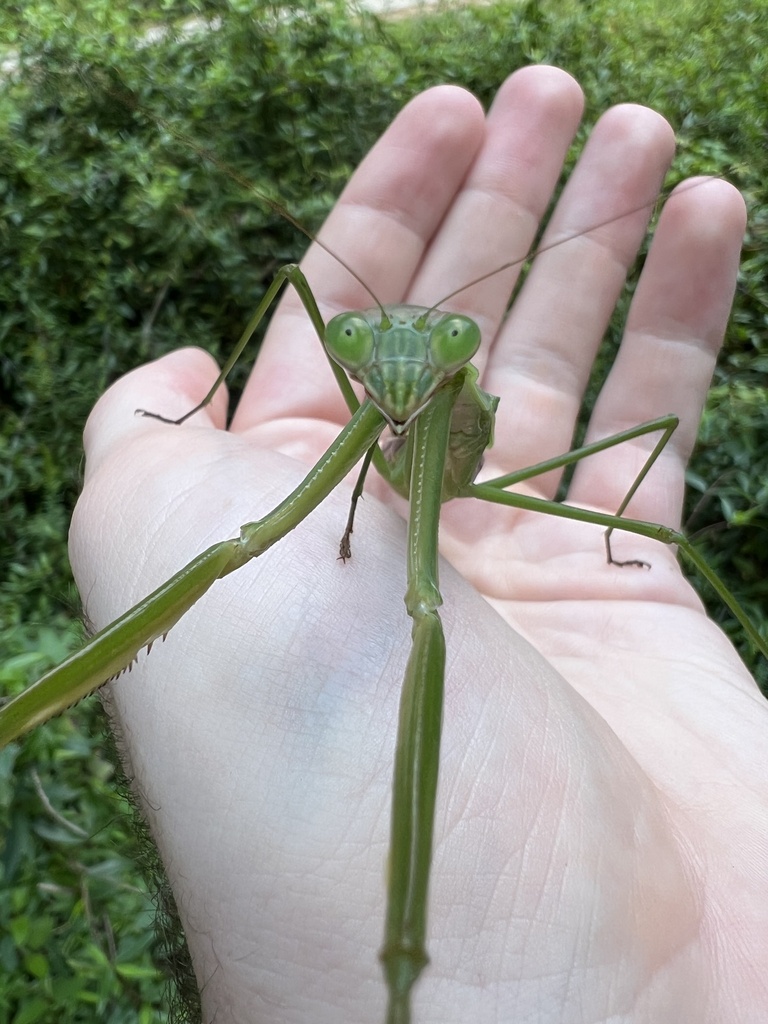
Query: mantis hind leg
667,424
292,274
494,491
670,425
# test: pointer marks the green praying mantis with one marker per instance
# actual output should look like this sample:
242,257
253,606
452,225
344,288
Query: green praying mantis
414,363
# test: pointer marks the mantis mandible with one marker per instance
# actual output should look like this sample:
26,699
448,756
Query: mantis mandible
557,846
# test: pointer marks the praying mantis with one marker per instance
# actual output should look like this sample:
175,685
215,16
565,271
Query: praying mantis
341,644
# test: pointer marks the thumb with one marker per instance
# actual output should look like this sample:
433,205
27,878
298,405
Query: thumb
169,386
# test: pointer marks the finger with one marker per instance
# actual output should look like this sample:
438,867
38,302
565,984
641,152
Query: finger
494,218
380,227
170,386
674,331
543,356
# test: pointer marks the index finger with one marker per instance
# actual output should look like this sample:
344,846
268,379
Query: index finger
380,227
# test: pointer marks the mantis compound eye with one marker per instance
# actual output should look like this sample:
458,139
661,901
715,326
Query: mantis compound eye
453,342
349,340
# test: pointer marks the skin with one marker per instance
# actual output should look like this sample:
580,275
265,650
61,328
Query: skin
601,835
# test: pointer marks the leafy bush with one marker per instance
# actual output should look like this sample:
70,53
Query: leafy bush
119,239
76,923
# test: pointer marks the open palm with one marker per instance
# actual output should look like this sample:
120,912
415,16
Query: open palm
601,840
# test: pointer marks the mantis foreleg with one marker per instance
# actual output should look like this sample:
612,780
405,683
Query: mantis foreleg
116,647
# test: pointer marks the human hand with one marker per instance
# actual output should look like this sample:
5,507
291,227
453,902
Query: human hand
601,837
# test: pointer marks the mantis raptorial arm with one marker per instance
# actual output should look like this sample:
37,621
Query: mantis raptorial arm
417,756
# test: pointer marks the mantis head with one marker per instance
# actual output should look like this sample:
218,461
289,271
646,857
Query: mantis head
401,355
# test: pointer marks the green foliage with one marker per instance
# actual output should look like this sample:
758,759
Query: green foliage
120,240
728,507
76,931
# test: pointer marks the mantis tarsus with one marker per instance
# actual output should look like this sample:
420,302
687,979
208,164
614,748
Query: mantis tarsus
553,102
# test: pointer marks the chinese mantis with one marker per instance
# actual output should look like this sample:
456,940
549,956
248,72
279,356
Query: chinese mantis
291,711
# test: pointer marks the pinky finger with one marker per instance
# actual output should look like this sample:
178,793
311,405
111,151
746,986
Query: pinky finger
665,362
